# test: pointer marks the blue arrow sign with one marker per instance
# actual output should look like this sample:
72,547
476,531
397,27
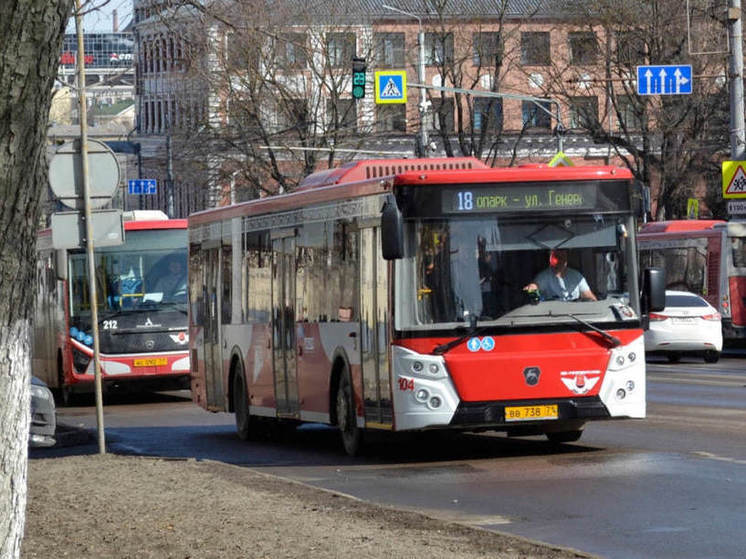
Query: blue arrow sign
664,80
142,186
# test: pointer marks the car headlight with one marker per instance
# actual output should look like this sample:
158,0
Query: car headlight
40,392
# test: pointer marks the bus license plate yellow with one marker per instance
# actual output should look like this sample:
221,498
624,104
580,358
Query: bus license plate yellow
528,413
151,362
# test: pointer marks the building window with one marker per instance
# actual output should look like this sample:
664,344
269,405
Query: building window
438,48
630,48
583,47
488,113
487,48
292,51
292,115
583,112
535,48
535,114
629,112
340,48
389,49
342,115
391,118
443,115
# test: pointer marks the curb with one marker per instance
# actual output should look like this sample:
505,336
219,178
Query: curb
69,435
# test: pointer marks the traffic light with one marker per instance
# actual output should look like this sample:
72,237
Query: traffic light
358,77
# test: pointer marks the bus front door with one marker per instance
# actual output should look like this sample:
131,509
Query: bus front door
213,356
283,324
374,334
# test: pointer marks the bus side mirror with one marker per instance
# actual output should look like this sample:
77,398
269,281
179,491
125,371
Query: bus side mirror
653,290
392,230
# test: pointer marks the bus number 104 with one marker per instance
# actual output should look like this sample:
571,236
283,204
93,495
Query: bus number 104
406,383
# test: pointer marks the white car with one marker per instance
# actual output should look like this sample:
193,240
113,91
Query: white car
688,325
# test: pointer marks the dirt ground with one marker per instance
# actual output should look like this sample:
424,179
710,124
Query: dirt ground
109,506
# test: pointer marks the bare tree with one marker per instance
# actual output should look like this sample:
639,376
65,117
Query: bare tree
669,142
28,66
471,58
278,86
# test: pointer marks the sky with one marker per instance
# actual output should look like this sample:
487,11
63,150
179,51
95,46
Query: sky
98,18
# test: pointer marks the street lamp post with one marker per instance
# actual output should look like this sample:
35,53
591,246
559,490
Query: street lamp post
421,77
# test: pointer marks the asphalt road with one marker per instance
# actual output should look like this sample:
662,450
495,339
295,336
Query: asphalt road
673,485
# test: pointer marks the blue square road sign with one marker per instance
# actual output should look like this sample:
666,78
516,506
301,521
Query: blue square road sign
667,79
142,186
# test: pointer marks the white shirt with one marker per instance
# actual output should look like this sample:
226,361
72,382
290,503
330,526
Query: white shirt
566,287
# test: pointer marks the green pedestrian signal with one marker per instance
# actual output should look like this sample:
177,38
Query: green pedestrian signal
358,77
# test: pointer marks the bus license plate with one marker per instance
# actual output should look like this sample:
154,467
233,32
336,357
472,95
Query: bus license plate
151,362
527,413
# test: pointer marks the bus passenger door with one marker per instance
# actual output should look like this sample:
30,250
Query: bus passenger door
213,356
374,335
283,324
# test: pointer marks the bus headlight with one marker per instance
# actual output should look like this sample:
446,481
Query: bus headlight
419,365
80,361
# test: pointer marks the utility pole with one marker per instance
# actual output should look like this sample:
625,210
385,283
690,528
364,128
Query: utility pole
97,380
735,75
422,108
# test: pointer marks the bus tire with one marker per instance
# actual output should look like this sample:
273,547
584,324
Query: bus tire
564,436
712,356
65,396
352,435
241,405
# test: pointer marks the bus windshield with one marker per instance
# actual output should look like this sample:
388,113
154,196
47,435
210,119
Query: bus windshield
460,269
148,272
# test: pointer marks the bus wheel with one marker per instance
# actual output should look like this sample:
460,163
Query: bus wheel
564,436
346,417
64,395
241,405
712,356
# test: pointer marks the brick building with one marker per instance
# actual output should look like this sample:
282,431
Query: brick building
540,65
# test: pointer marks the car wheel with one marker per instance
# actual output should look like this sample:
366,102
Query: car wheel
712,356
241,405
673,357
564,436
352,435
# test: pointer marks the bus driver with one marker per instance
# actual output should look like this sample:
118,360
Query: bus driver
559,281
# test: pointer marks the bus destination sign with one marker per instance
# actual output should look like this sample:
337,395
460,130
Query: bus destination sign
518,198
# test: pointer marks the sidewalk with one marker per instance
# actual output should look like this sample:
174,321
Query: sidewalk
125,507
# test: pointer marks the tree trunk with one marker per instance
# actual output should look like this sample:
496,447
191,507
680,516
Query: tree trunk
32,32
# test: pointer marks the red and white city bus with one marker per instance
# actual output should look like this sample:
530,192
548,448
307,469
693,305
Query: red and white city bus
143,335
389,295
706,257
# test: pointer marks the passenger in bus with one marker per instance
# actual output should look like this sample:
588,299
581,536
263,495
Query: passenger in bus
173,283
559,281
437,278
487,278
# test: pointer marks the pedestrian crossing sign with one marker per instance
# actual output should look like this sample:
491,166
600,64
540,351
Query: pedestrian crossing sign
734,179
391,86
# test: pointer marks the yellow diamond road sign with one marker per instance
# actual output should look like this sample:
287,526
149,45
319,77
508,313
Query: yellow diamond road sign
560,160
734,179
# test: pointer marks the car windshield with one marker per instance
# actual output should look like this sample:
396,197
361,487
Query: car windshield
683,300
460,268
148,272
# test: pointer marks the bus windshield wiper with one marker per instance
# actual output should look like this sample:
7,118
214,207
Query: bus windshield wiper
473,331
613,340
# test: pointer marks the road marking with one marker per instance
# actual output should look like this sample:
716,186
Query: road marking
711,456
